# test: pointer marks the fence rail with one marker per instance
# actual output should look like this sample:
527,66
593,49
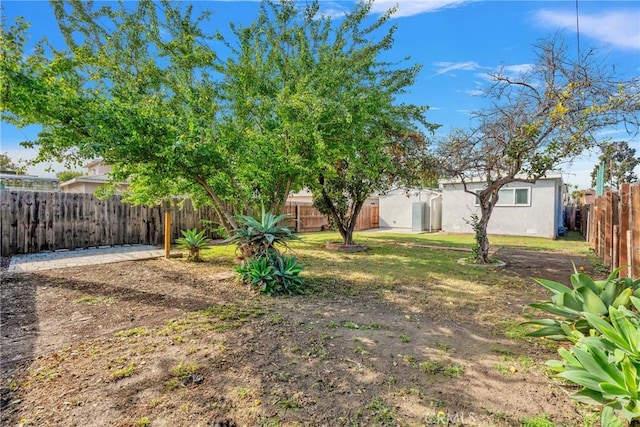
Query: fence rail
612,225
45,221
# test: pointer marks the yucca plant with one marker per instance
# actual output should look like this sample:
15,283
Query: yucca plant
193,241
587,296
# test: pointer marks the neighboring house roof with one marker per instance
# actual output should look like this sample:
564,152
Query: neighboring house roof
97,174
94,179
93,163
10,181
479,180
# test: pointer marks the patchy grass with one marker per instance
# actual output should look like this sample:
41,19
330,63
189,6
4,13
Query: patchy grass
125,372
132,332
384,337
95,299
573,243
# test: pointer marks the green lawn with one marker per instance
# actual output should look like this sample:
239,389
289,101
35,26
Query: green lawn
573,243
391,260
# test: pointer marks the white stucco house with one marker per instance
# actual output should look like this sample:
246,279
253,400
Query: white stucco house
416,210
523,209
97,175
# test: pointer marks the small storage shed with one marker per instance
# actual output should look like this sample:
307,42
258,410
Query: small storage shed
416,210
523,209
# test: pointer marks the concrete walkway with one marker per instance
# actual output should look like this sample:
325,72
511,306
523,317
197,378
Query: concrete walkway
80,257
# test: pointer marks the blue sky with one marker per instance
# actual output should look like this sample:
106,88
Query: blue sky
457,42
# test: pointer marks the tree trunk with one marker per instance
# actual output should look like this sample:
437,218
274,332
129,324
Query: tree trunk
487,202
281,199
226,218
348,236
482,241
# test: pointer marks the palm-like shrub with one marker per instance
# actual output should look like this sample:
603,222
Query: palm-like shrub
193,241
262,265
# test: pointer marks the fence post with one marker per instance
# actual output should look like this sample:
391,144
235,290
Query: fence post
634,212
167,234
624,253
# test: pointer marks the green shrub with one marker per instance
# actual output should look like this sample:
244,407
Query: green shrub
273,274
587,296
602,319
256,238
193,241
262,264
607,365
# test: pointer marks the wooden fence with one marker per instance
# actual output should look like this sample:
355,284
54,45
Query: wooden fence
43,221
32,222
612,225
304,217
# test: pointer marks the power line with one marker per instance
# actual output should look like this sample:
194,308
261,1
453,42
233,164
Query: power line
578,28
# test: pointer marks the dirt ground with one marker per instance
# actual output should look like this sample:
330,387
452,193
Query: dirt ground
170,343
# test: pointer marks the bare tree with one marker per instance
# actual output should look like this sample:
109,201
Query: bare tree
536,121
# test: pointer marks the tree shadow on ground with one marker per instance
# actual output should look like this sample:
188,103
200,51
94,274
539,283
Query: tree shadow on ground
351,352
20,330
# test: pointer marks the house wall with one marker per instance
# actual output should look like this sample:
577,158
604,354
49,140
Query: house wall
396,208
98,168
540,219
80,187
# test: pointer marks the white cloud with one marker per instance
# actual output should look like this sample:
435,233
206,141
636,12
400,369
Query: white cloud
618,28
517,69
475,92
414,7
448,67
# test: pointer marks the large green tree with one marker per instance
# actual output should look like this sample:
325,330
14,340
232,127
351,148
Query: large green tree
537,121
8,165
296,98
135,86
619,163
314,92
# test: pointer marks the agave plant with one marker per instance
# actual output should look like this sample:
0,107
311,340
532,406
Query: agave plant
587,296
257,237
607,364
273,274
193,241
262,265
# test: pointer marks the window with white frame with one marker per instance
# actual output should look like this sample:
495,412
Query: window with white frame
512,197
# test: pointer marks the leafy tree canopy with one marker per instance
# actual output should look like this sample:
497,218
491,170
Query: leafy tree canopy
320,108
619,163
296,97
8,165
68,175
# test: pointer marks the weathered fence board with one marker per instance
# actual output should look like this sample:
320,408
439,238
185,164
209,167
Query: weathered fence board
634,227
43,221
304,217
32,222
612,227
